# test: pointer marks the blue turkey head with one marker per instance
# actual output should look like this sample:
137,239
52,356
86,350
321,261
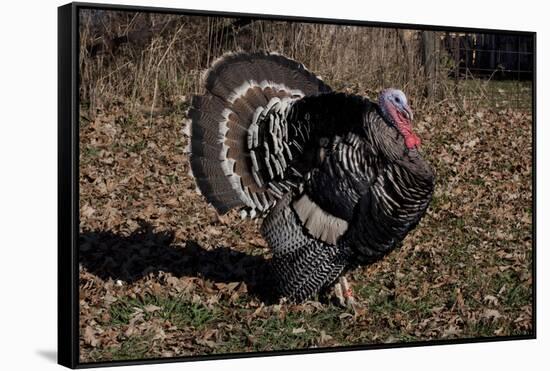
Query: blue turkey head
396,111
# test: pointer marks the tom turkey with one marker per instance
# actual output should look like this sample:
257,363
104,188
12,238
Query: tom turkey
337,178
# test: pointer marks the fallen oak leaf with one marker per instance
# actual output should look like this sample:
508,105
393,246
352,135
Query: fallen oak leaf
490,299
451,331
90,337
491,314
208,343
324,337
150,308
345,315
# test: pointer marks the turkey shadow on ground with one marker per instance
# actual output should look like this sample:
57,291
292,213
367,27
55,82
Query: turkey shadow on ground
131,257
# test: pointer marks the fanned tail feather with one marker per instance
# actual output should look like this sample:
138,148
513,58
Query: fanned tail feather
237,154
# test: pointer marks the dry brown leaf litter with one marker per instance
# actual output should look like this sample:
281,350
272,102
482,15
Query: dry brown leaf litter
162,275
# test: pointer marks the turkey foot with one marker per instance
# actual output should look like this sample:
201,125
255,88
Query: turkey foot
344,294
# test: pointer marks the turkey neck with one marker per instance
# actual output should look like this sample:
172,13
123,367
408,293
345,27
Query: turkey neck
389,144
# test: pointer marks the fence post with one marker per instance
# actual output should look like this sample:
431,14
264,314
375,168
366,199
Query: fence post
429,60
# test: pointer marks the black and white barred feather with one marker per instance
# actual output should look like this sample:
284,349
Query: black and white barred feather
334,181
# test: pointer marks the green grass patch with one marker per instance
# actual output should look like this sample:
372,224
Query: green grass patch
135,347
137,147
90,151
180,312
297,330
497,93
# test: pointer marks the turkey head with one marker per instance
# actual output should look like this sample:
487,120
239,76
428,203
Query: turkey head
396,110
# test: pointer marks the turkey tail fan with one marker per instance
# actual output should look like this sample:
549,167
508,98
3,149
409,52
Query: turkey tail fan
225,127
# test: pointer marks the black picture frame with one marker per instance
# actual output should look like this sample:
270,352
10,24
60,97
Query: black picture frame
68,189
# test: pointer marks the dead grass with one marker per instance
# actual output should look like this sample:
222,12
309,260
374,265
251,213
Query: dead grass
161,68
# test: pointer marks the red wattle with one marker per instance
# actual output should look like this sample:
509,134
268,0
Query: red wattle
404,125
412,141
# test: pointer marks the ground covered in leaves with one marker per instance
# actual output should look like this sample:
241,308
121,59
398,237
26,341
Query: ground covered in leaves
162,275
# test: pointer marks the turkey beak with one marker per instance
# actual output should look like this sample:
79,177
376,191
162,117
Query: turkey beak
408,113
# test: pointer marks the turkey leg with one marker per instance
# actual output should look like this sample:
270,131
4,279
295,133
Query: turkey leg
344,293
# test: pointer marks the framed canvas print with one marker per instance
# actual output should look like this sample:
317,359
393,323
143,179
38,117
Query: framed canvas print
235,185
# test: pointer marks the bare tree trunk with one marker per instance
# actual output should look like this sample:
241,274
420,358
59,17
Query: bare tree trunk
430,53
406,54
456,56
